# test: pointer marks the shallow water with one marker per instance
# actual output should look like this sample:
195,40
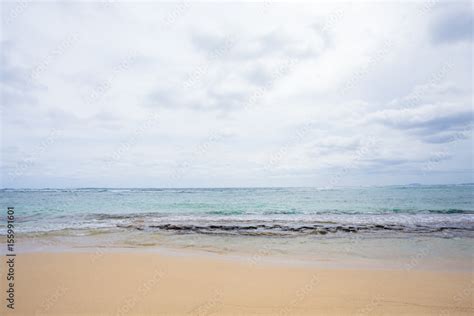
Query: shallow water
396,223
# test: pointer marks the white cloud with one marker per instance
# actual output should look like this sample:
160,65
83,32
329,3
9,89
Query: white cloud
234,88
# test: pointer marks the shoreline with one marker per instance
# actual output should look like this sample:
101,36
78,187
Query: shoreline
435,254
138,283
273,259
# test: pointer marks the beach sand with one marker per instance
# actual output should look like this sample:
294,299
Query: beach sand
132,283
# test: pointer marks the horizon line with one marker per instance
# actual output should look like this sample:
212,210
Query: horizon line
237,187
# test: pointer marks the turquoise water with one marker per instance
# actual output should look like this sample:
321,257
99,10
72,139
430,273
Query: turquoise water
444,210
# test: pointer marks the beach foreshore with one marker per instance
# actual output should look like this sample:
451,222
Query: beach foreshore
139,283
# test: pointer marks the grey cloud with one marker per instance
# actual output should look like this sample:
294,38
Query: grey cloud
207,42
329,146
161,98
387,161
449,136
278,43
454,26
431,123
16,81
258,75
210,100
14,77
12,97
226,101
437,124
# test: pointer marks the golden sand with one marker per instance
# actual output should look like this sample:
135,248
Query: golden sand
157,284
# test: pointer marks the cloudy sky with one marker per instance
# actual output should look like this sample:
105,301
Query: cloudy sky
187,94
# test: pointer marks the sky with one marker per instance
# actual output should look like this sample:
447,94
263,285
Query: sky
186,94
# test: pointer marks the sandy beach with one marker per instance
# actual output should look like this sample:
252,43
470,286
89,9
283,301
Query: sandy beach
138,283
236,158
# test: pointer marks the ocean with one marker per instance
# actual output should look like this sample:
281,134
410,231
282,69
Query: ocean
433,210
282,219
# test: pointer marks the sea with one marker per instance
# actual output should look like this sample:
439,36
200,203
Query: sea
364,222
